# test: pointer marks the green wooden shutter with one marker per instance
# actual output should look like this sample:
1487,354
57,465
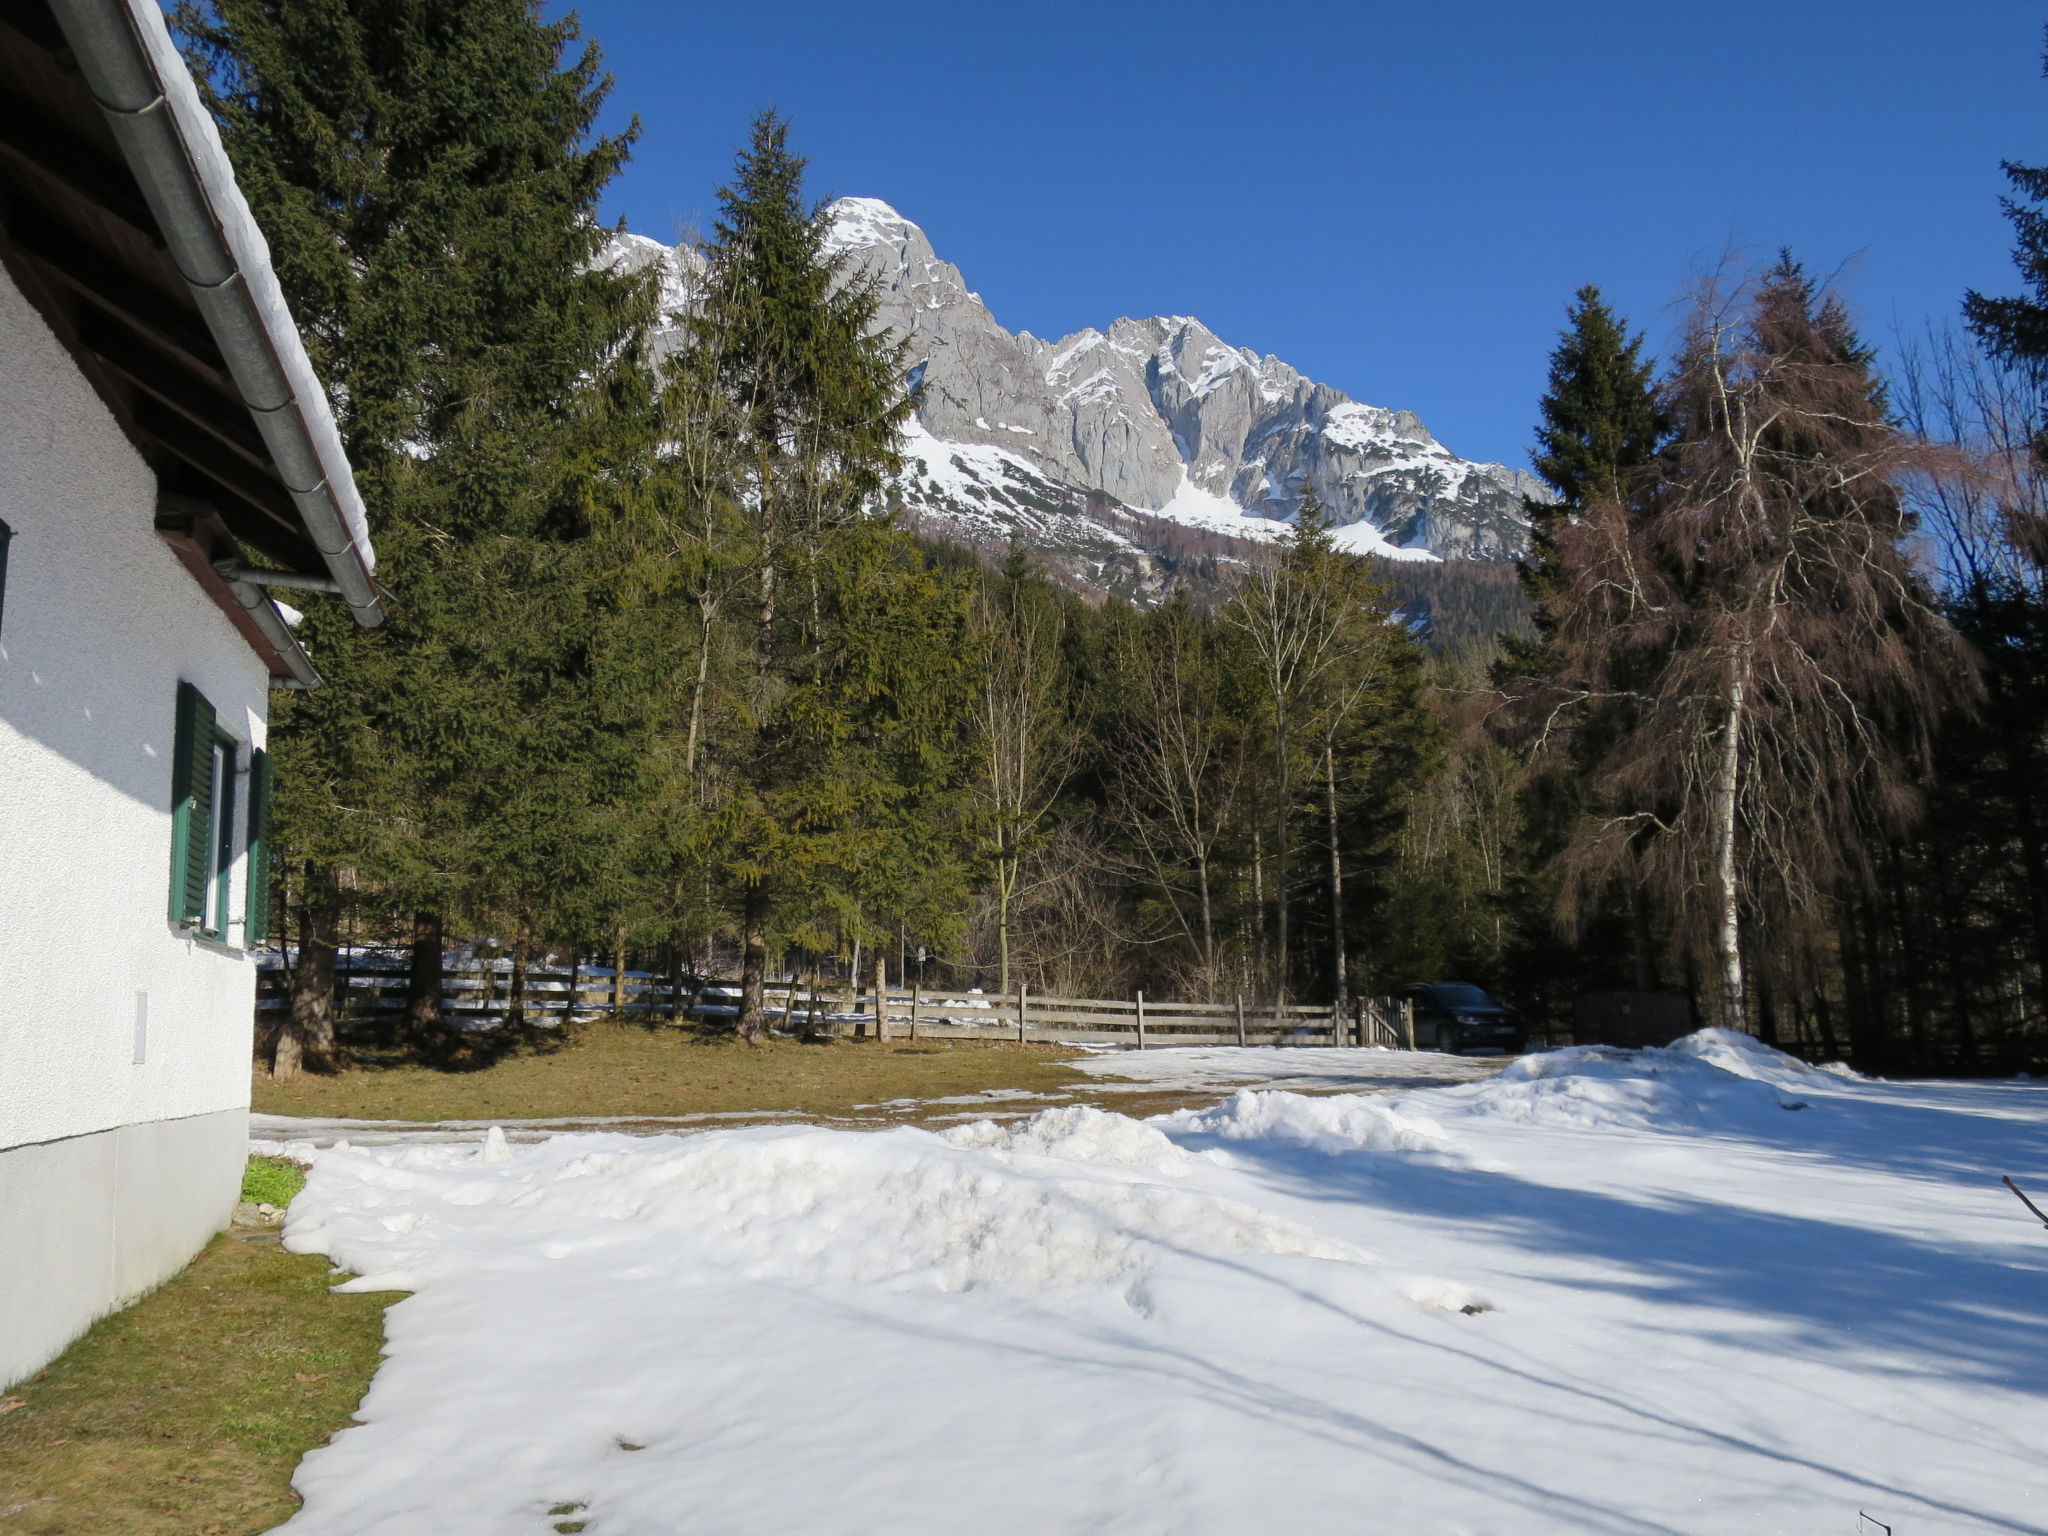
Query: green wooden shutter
191,806
256,909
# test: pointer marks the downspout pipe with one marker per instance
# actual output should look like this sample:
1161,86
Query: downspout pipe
174,149
255,576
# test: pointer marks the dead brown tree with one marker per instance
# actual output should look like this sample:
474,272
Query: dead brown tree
1781,656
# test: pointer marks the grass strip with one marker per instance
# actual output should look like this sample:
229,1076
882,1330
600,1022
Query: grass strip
635,1070
186,1413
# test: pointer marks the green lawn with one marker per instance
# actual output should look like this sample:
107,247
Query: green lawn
634,1070
185,1414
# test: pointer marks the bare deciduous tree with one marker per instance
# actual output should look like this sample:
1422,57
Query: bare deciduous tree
1181,769
1025,744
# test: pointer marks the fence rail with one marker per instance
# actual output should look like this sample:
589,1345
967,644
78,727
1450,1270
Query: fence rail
482,992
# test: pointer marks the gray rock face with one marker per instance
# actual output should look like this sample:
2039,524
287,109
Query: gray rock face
1101,444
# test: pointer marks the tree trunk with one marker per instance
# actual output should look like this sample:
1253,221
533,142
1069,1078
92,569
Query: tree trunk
1339,962
1641,959
515,1007
305,1041
752,1023
1727,785
424,981
764,619
697,692
1005,881
1259,901
881,993
1283,792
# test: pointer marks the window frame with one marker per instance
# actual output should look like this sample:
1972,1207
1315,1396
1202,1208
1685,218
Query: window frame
220,866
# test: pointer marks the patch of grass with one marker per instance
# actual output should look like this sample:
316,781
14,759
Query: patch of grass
641,1070
185,1414
272,1180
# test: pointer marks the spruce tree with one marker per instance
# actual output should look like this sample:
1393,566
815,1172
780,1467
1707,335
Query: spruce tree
427,176
819,770
1602,428
2016,329
1601,425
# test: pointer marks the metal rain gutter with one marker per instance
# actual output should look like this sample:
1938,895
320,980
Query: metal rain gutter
172,146
266,617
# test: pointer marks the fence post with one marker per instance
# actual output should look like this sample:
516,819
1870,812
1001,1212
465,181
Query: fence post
1240,1018
1408,1016
1023,991
916,988
569,1008
1358,1024
1141,1021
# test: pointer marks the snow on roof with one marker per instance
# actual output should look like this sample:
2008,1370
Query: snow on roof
251,255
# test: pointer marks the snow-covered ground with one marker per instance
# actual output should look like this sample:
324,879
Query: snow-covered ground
1320,1067
1698,1290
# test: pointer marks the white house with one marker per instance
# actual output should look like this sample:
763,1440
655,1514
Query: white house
166,455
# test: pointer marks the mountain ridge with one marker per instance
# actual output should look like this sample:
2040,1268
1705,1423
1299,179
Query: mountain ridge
1095,449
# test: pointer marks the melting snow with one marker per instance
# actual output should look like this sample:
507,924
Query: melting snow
1698,1290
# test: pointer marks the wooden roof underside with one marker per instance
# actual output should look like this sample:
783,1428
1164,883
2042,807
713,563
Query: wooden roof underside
81,244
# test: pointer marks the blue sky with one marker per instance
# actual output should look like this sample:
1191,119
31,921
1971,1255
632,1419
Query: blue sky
1397,199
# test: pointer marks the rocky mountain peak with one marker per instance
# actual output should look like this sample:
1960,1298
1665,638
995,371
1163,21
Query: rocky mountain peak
1095,446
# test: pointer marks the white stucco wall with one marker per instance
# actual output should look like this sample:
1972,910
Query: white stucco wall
98,624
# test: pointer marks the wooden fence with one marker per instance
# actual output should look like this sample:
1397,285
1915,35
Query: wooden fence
370,987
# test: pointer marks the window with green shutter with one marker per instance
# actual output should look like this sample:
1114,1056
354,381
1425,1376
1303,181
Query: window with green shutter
192,802
256,910
202,816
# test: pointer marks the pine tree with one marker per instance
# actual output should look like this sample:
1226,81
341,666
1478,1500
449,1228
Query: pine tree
426,173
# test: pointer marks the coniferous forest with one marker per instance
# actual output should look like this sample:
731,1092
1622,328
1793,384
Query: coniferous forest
1761,721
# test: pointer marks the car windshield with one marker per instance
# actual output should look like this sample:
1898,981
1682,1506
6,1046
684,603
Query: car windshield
1462,997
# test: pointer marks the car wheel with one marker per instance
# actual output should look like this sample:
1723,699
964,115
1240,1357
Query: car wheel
1447,1041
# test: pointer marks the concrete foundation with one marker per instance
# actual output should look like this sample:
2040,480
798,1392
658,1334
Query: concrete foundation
88,1223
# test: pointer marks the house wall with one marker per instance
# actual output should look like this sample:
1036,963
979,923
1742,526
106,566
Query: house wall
120,1146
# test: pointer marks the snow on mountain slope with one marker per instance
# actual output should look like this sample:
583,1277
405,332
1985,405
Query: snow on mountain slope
1094,448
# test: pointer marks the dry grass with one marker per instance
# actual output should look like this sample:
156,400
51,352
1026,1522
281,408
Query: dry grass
636,1070
185,1414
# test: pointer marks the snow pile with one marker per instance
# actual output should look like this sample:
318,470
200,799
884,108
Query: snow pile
1331,1125
1747,1056
902,1207
1080,1133
1597,1087
1603,1291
